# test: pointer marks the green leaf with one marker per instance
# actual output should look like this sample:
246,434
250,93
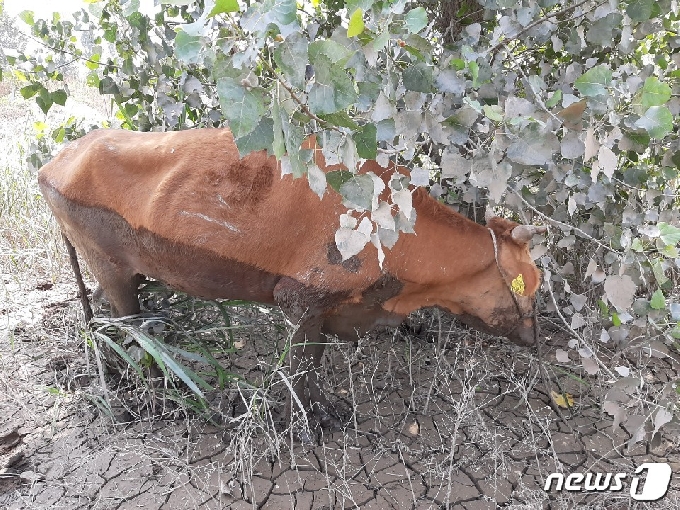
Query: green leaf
657,121
415,52
554,99
281,13
601,31
121,352
340,119
356,23
659,275
164,359
595,81
604,309
416,20
418,77
333,89
457,63
260,138
110,33
655,93
31,90
93,61
294,136
675,158
187,47
365,139
292,56
640,10
278,143
108,86
243,107
670,252
27,17
418,45
616,320
368,95
364,5
641,137
59,134
337,178
329,49
669,234
658,301
474,72
59,97
358,191
493,112
130,110
222,6
44,100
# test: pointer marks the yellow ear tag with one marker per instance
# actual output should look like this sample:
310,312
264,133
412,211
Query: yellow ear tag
517,285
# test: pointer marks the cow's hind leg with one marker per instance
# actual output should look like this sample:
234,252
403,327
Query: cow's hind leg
119,282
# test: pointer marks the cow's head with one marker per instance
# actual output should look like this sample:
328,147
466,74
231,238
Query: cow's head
501,299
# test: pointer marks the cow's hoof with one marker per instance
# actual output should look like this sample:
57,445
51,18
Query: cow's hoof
310,431
306,436
328,421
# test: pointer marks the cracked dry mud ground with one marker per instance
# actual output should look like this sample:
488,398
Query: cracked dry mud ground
463,425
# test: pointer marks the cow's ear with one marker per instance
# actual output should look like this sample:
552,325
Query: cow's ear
522,234
500,225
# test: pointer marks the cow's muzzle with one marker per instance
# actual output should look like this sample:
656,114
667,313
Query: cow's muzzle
524,334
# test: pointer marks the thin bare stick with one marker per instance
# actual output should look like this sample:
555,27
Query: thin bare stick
305,109
561,224
572,330
502,44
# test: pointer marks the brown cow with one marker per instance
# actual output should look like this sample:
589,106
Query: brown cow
185,209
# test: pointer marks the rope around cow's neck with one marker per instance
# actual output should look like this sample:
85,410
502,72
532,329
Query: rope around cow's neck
504,276
534,314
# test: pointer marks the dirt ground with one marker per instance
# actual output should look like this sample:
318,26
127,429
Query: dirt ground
462,422
447,418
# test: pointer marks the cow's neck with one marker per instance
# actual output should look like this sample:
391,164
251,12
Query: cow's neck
447,251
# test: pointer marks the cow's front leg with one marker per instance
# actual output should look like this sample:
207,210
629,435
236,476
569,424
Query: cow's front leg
302,307
304,359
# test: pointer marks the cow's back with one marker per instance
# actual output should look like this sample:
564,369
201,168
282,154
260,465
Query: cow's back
189,192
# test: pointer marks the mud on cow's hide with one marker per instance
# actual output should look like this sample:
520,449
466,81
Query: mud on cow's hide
185,209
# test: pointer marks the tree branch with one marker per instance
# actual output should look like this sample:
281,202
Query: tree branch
561,224
305,109
502,44
581,340
66,52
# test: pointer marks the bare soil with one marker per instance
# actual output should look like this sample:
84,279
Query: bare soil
447,418
461,422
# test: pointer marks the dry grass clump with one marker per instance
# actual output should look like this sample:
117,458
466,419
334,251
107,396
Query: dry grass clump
30,241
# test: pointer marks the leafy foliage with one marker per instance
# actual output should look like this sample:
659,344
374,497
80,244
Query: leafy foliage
566,112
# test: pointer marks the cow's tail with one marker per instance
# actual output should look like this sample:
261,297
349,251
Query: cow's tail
73,256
